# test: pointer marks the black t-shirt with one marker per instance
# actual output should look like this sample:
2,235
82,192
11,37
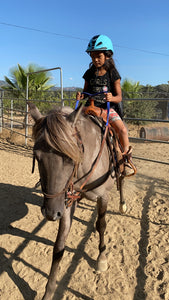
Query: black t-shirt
101,83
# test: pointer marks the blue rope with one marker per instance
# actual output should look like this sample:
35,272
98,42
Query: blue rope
77,104
108,112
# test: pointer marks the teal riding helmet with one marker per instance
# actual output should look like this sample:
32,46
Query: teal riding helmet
100,43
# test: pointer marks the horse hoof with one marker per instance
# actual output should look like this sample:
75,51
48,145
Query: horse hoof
102,264
123,208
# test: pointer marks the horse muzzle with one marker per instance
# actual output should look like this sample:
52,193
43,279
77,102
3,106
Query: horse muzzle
53,208
51,215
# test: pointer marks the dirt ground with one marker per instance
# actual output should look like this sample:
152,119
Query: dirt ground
137,242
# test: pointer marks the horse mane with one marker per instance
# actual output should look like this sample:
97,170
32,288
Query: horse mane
58,133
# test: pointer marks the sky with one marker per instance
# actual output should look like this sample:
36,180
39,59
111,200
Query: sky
55,33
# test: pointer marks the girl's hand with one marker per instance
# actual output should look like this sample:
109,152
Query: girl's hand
79,96
109,97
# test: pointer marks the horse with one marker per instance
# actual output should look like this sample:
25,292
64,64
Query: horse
71,166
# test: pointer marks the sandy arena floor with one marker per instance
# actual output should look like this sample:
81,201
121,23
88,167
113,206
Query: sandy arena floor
137,242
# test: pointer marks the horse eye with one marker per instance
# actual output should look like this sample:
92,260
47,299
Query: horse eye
51,151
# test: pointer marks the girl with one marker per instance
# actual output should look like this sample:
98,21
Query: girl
103,76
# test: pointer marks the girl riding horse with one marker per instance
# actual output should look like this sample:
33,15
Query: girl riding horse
103,76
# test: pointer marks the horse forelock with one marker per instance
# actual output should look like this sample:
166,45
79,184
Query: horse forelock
58,133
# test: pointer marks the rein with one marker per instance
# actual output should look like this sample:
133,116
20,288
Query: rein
105,133
73,195
96,162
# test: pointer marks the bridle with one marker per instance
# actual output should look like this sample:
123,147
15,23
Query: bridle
71,194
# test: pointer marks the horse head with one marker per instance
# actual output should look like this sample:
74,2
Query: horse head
57,153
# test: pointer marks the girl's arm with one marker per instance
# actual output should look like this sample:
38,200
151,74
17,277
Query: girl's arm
118,97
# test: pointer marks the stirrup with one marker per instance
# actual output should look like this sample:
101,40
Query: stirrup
129,167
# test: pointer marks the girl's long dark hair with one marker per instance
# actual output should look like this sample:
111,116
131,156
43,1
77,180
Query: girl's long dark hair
109,63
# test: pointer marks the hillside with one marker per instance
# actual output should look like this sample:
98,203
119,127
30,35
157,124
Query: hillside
2,82
158,91
66,89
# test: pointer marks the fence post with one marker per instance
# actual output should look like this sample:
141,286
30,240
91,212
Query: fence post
26,125
61,85
11,115
1,111
26,119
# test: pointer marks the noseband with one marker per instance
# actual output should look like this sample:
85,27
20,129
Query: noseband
70,194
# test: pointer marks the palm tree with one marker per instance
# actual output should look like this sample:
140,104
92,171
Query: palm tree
131,89
17,84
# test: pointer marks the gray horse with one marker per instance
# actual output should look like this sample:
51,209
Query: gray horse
67,146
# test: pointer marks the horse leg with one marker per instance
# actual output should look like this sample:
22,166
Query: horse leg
123,206
101,227
63,231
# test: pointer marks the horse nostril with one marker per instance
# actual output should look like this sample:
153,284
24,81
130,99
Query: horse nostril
58,214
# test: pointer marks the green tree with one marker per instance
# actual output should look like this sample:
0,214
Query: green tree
38,82
139,109
131,89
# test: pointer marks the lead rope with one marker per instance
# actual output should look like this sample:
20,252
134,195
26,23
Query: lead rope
101,148
97,160
73,195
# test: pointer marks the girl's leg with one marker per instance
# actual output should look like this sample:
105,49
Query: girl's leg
116,122
121,130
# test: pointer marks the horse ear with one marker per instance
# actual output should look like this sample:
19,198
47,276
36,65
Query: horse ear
34,111
73,117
